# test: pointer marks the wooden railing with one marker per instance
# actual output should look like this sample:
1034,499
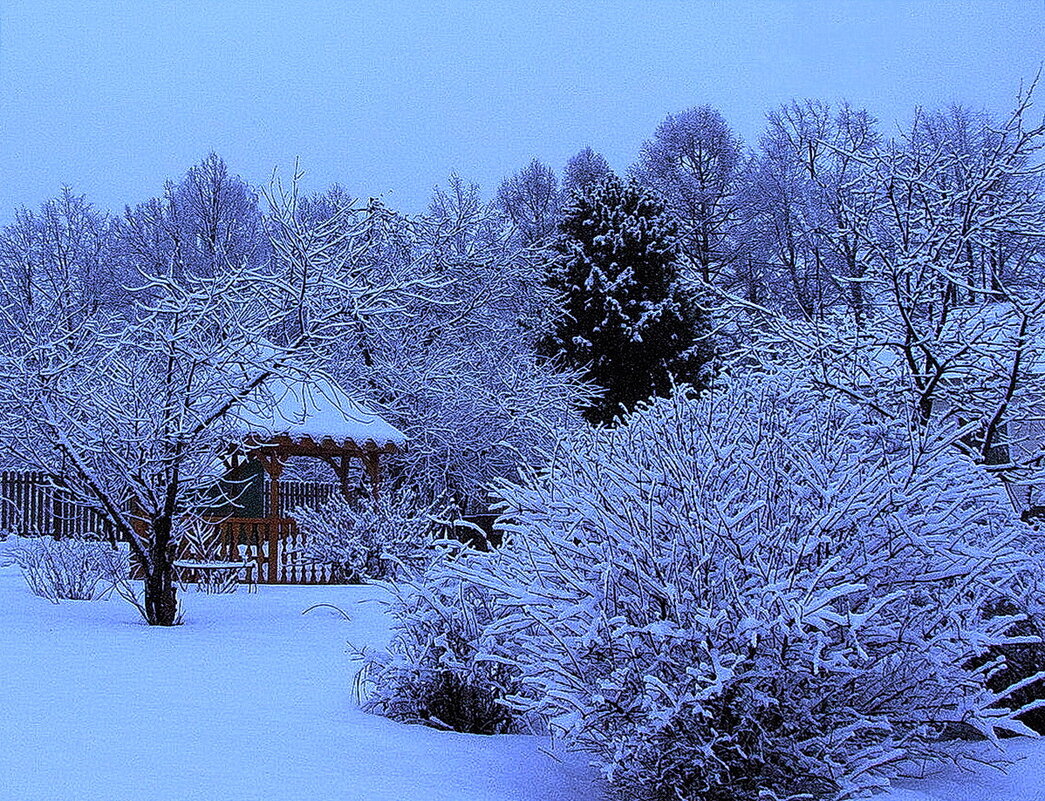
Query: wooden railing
273,549
292,494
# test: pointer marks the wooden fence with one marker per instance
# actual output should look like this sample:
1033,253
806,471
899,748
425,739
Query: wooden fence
31,506
292,494
271,548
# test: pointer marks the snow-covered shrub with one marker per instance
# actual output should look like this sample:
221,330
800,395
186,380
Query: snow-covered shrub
762,591
71,569
436,669
368,539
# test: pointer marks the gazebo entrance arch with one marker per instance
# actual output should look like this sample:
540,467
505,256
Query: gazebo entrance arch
313,419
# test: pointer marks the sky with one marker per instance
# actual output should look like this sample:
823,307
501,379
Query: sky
114,97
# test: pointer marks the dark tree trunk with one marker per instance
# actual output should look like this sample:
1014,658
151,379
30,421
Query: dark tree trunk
161,594
161,599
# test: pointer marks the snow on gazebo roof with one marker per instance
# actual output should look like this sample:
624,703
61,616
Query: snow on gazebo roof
311,409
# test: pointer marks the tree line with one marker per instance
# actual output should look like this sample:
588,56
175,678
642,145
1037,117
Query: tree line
907,268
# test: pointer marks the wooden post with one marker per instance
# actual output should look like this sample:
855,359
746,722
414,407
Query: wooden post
373,471
341,466
274,467
344,464
274,547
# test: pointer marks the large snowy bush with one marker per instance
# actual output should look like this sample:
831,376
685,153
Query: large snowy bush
761,591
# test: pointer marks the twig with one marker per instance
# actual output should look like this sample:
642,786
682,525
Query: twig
343,613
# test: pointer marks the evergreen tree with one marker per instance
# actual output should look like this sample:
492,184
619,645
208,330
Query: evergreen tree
627,321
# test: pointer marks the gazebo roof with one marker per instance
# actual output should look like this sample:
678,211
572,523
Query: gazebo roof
315,411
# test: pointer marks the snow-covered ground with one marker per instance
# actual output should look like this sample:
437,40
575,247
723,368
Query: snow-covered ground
250,699
1015,774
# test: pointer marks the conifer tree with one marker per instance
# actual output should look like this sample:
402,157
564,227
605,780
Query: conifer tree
626,321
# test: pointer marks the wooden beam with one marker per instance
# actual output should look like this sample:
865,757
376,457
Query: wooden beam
307,446
341,465
273,453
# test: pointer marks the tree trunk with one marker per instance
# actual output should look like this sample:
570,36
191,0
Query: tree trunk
161,594
161,599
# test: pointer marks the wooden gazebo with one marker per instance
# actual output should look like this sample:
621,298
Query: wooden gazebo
298,418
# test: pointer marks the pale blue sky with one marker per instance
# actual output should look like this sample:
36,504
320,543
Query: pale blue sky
389,97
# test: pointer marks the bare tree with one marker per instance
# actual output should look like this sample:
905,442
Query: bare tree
692,162
803,198
130,414
63,255
583,171
530,199
207,221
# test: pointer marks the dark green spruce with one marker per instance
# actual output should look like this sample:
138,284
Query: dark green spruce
627,320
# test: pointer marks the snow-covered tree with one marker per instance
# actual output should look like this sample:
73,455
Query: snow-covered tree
626,320
955,257
456,369
692,162
932,244
130,413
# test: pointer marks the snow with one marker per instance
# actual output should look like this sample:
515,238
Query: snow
1017,774
249,699
316,408
252,699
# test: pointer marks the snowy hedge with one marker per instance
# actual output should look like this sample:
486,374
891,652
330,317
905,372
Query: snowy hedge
757,592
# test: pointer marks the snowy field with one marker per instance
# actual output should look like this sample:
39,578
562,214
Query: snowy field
249,699
252,699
